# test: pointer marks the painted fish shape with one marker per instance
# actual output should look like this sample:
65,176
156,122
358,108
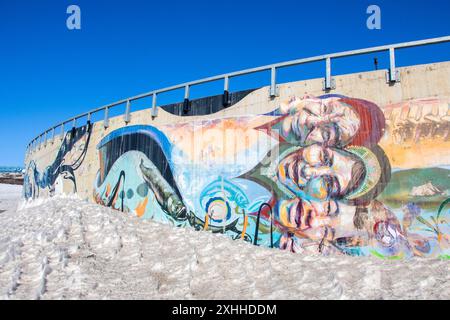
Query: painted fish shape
165,195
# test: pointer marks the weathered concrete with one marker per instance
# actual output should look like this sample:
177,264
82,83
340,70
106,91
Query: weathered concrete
414,135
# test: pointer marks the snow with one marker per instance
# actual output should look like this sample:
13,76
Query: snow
10,196
67,248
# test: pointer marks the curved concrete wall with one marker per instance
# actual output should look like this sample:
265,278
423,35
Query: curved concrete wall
361,170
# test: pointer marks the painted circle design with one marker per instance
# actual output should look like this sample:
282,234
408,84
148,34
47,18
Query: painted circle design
218,209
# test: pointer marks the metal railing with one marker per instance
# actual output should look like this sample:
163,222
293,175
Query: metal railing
391,76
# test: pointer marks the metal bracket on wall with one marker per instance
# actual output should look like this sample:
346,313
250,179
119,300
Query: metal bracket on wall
396,77
330,86
274,92
226,99
127,115
186,102
106,120
273,89
53,135
226,92
392,75
154,107
328,82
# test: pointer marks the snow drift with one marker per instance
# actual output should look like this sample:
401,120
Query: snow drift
66,248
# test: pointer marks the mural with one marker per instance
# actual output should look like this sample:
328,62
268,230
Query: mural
314,170
328,174
69,158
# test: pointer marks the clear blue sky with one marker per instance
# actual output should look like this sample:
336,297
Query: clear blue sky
49,73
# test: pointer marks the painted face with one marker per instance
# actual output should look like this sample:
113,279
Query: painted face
300,214
325,121
323,173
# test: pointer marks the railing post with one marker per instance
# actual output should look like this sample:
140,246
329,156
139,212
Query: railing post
89,118
273,82
127,115
226,92
106,120
186,106
74,128
53,135
329,81
392,73
45,139
62,132
154,108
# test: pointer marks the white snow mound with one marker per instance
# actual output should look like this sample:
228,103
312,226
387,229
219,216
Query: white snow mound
66,248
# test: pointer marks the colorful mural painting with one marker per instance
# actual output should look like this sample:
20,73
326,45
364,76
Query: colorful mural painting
69,158
316,163
328,174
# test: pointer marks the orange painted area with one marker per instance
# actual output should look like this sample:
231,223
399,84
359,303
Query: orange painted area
219,139
205,227
417,155
140,209
245,227
282,172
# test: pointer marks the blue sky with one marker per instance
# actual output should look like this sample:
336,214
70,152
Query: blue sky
49,73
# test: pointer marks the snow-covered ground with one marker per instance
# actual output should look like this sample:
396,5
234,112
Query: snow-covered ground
66,248
10,195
